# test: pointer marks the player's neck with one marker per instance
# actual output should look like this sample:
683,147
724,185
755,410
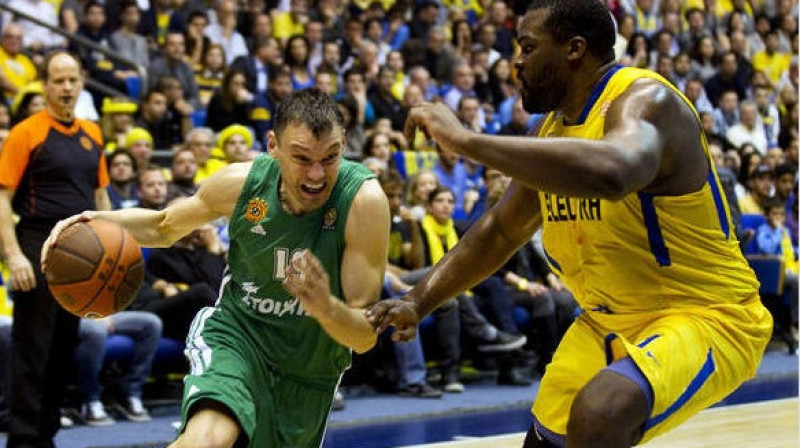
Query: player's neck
286,204
581,90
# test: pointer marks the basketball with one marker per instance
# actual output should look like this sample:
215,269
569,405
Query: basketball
94,269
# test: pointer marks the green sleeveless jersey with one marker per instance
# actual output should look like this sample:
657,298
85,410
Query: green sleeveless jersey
263,239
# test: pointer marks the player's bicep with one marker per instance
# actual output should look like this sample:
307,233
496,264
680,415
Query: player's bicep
366,245
221,190
216,197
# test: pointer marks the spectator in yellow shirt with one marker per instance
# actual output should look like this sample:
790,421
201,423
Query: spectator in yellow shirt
772,62
16,69
287,24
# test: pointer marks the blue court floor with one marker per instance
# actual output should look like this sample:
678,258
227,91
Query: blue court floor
385,421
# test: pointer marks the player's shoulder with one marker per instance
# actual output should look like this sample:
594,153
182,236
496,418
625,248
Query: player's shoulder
370,200
651,96
233,172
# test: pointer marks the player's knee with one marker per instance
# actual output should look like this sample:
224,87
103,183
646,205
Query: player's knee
209,439
211,425
609,407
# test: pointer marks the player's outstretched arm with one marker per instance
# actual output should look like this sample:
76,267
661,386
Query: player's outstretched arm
628,159
161,228
362,270
485,247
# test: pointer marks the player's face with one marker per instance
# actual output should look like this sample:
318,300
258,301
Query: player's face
540,64
309,165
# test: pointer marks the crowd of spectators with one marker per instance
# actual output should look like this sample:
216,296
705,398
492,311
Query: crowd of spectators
201,79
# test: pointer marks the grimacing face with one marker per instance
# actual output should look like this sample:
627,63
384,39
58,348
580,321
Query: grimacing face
540,65
309,165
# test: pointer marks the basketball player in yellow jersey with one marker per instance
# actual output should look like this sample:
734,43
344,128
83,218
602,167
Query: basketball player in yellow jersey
634,223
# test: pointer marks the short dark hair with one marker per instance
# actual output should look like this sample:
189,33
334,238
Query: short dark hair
392,179
354,71
589,19
195,14
150,93
311,107
437,191
773,202
92,4
125,4
122,152
785,168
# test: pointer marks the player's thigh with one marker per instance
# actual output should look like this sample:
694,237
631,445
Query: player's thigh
301,412
579,357
692,360
224,371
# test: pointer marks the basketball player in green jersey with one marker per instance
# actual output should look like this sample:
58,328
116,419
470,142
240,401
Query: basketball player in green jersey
309,233
620,179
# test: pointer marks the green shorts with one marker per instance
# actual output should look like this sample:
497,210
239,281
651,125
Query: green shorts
272,408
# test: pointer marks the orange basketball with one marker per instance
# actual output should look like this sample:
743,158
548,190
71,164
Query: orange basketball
95,268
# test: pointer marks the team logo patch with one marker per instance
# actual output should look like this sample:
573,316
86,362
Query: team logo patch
256,210
329,221
86,143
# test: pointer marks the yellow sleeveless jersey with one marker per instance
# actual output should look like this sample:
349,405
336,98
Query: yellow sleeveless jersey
643,252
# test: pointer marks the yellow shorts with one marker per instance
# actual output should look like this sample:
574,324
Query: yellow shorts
692,358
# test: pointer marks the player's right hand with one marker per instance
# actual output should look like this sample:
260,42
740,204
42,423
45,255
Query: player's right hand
22,276
438,122
401,314
59,227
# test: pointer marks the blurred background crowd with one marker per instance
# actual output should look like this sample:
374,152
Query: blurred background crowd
184,87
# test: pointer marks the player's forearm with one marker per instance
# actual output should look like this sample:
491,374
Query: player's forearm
564,166
483,250
348,326
143,224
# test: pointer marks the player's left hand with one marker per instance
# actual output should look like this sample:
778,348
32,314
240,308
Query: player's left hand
307,280
401,314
